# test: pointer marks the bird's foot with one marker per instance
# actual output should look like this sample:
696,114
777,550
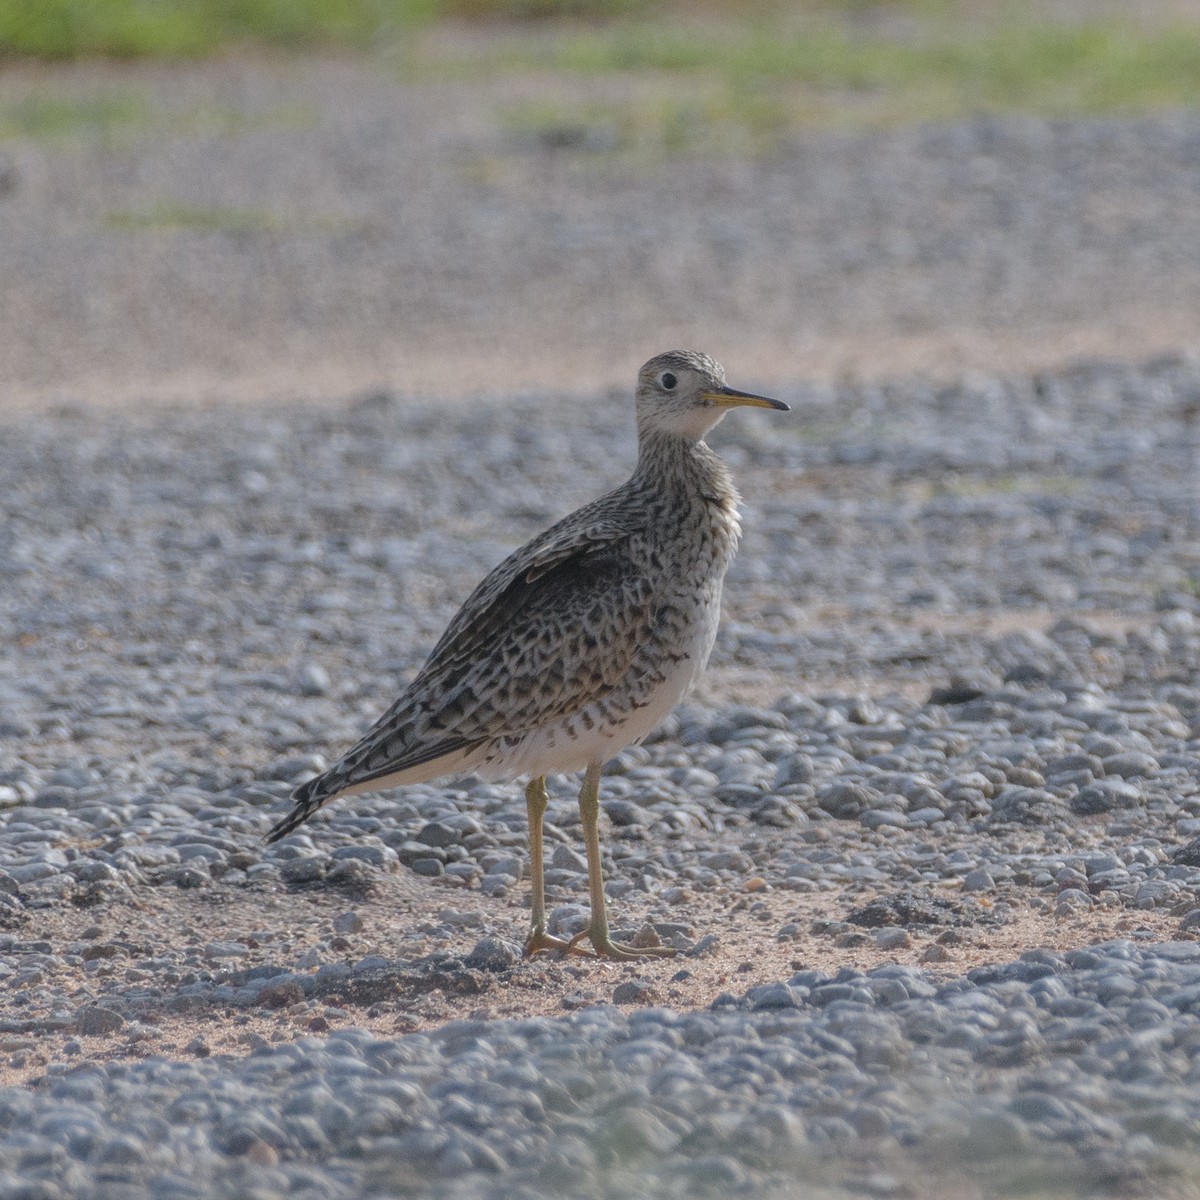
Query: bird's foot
539,940
605,947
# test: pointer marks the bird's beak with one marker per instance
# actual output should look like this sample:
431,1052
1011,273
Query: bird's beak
732,398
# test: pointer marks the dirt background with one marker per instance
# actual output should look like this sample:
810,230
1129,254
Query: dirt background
265,229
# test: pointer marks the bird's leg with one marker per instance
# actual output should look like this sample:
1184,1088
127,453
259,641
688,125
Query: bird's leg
536,800
597,930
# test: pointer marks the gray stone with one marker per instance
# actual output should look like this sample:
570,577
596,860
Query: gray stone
279,993
381,857
565,858
633,991
846,799
439,834
1131,765
304,870
772,995
409,851
1105,795
493,954
312,680
427,866
623,813
226,950
1073,899
93,1021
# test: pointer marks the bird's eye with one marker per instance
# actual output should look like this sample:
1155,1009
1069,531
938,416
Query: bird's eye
668,381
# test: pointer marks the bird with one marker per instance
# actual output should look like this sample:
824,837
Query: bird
577,644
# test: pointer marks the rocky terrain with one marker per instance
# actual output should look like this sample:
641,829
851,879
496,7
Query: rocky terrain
926,838
930,819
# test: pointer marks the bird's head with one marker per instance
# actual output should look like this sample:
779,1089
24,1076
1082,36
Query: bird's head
684,393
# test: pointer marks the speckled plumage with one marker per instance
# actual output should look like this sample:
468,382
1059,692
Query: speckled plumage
581,641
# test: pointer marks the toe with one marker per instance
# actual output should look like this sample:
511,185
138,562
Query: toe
611,949
540,940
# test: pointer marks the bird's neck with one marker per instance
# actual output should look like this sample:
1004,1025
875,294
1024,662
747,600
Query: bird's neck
683,465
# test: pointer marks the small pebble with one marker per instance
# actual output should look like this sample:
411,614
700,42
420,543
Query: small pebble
633,991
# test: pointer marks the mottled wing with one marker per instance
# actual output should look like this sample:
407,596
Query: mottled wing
561,635
552,628
581,534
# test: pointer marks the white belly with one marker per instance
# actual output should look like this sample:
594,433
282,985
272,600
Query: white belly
570,745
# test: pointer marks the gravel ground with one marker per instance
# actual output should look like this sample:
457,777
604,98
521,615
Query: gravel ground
928,836
901,765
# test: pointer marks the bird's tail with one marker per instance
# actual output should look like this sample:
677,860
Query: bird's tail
307,799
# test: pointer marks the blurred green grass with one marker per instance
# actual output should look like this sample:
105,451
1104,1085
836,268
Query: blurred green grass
111,114
65,29
169,216
1086,64
753,70
68,29
49,117
756,86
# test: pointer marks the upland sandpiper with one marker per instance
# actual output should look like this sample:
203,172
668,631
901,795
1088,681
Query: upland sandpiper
579,643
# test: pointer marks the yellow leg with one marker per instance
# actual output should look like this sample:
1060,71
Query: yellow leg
536,800
597,930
